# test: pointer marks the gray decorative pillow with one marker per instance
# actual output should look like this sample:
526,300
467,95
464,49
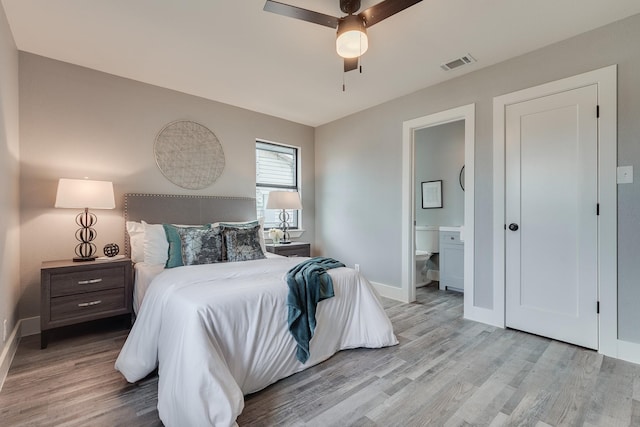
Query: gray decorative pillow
243,244
200,245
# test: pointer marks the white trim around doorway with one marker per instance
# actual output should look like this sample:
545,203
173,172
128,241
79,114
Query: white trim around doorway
466,113
606,79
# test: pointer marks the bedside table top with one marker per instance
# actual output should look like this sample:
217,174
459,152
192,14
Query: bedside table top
290,249
68,263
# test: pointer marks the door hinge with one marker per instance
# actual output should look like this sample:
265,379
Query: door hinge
597,111
598,307
597,208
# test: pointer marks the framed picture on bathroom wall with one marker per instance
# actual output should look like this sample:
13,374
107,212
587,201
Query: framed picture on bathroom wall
432,194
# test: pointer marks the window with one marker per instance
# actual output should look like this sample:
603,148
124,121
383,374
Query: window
276,169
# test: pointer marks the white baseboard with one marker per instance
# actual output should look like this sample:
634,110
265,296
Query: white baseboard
30,326
390,292
9,350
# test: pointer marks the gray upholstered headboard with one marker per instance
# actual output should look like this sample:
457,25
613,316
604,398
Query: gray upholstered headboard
185,209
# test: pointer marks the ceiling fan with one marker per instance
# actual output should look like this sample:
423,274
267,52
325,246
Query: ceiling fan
352,39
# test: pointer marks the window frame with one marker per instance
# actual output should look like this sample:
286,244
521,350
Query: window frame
296,217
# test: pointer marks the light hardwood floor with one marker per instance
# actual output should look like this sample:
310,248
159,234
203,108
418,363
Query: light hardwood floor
446,372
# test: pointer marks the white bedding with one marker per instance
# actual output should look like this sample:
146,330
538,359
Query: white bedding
219,331
144,273
143,276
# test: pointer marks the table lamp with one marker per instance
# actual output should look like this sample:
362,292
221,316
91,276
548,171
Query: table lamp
85,194
284,200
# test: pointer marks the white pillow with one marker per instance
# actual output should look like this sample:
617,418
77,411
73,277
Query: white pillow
241,223
156,246
136,240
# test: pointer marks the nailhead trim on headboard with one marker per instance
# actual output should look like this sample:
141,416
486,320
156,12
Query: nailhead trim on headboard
246,208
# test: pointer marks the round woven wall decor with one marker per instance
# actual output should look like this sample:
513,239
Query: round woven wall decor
189,155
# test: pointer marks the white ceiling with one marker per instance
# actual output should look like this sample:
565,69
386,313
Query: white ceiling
233,52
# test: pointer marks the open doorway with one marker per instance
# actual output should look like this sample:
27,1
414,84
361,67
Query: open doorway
439,178
465,114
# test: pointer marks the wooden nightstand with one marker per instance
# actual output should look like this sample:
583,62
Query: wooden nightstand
77,292
290,249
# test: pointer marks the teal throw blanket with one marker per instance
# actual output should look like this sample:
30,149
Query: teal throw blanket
308,284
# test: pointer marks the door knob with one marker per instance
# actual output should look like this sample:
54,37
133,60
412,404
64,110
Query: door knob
513,226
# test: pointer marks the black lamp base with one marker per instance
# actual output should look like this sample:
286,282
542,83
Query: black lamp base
85,250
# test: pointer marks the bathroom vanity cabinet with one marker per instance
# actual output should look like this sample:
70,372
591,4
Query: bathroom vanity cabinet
451,261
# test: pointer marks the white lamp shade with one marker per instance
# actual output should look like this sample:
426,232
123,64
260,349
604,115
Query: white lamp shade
85,193
284,200
352,40
352,44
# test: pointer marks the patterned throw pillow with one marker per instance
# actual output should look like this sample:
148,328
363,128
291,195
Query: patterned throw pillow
246,224
174,258
200,245
243,244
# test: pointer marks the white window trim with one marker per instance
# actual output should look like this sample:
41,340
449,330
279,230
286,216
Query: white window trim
295,233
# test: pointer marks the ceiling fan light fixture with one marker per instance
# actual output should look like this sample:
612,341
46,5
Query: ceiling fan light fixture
352,40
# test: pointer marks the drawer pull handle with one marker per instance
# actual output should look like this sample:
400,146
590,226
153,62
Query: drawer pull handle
89,304
89,282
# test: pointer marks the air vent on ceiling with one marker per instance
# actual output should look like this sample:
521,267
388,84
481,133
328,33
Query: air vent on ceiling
458,62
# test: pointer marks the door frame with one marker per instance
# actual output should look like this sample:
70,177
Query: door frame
606,79
464,113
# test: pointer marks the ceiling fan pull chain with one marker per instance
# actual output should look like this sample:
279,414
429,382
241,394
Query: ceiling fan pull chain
360,57
343,85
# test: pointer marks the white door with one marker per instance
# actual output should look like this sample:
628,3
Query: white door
551,216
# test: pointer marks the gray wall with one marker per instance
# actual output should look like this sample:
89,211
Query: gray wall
361,222
76,122
9,189
439,155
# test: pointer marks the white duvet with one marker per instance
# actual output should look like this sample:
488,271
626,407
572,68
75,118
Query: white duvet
219,331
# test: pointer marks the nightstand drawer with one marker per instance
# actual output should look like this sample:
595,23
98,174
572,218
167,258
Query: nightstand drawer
87,304
290,250
87,281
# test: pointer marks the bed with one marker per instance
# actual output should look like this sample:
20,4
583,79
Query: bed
218,331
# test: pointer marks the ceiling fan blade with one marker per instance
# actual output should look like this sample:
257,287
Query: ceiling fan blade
385,9
350,64
299,13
